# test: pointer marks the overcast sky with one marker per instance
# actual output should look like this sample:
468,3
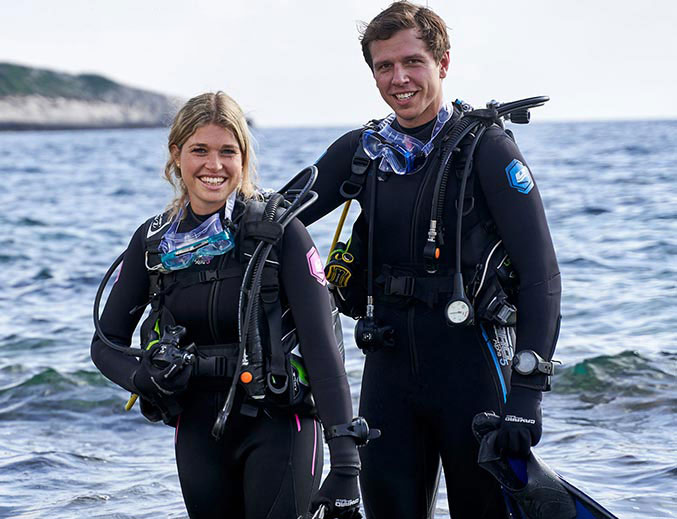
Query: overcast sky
291,63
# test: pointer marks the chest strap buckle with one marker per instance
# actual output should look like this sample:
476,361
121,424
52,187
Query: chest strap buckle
400,286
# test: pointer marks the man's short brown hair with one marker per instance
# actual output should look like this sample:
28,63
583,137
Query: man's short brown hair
405,15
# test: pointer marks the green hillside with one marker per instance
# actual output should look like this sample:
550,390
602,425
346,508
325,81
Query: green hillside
20,80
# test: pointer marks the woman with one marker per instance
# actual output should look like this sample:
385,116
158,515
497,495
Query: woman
266,460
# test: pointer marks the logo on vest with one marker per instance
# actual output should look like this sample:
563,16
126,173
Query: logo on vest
316,266
156,225
519,177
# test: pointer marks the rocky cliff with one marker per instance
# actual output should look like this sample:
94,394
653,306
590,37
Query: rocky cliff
32,98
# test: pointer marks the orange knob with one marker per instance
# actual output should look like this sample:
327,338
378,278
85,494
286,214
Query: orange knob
246,377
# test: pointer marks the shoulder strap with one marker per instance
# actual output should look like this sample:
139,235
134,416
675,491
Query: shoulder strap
153,231
359,165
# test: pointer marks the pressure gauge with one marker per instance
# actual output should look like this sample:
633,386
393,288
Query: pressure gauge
458,312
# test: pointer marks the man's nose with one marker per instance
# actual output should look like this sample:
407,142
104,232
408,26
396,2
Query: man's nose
400,75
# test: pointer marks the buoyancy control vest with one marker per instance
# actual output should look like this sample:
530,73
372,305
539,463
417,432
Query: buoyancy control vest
278,376
490,280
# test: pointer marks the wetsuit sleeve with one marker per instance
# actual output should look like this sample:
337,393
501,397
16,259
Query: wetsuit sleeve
517,209
129,291
333,169
305,286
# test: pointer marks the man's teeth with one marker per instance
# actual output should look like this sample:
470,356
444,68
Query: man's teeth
215,181
404,96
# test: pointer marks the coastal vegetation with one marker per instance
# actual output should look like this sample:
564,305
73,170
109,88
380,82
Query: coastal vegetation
35,98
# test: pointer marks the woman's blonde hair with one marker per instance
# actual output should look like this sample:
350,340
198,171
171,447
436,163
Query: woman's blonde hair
210,108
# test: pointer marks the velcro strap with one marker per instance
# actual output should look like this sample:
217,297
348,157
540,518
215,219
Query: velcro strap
269,232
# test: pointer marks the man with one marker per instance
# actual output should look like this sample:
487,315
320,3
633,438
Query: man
430,371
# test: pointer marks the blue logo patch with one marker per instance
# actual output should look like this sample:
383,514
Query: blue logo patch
519,176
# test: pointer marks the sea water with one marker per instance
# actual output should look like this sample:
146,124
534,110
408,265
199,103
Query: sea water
71,200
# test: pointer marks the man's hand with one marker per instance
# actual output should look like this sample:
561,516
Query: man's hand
521,425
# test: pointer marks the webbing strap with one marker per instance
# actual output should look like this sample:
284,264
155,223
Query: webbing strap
425,289
352,187
186,278
216,360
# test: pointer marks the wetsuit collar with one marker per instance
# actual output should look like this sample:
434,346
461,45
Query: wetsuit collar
226,210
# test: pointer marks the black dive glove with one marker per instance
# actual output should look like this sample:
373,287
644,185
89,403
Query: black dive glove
338,497
162,371
521,424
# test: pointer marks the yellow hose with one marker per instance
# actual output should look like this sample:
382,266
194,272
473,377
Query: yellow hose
339,227
132,400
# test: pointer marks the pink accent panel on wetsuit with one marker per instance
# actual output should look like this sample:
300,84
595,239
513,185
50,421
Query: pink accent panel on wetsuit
312,467
316,266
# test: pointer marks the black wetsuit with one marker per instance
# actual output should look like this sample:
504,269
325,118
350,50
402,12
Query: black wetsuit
265,466
424,392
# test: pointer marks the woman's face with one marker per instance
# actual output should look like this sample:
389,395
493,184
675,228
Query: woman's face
211,167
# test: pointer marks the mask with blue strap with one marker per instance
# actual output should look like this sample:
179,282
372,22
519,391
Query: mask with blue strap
400,153
209,239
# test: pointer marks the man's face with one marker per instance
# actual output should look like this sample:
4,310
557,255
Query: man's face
408,77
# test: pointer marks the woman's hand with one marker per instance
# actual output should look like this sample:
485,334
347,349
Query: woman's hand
161,375
338,497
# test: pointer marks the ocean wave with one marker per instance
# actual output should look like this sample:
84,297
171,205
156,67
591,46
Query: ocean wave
626,375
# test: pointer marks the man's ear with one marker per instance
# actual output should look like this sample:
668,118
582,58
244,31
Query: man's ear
444,64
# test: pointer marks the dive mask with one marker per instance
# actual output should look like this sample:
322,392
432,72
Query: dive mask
181,250
401,153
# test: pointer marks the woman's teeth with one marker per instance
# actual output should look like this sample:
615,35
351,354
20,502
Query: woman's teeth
214,181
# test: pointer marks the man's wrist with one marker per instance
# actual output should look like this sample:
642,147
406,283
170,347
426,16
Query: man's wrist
536,382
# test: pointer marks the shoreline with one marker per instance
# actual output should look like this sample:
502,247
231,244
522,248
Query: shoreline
28,127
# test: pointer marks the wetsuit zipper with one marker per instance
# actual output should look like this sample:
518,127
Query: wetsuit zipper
212,310
412,341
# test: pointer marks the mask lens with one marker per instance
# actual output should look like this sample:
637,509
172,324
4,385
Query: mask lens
171,261
216,245
374,146
185,256
397,161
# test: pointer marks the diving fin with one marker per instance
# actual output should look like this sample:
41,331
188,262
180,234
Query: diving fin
533,488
